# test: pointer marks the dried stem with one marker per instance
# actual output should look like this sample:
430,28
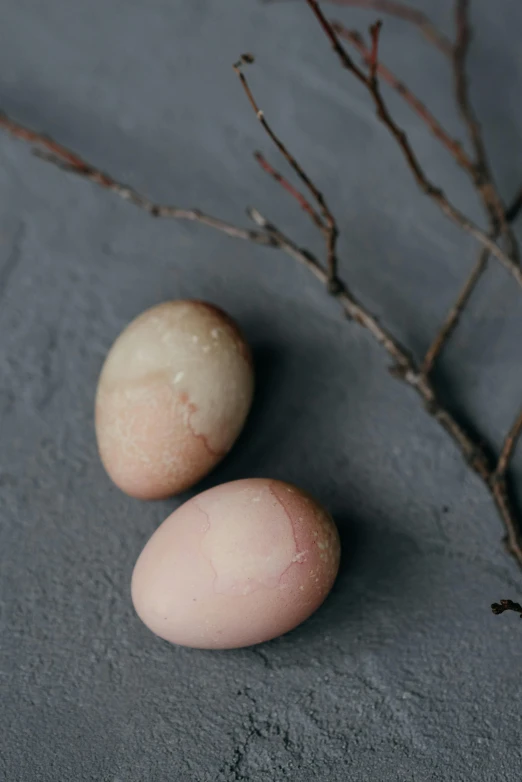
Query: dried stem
332,231
373,58
427,187
479,170
509,446
453,146
69,161
401,11
483,176
457,310
286,185
455,313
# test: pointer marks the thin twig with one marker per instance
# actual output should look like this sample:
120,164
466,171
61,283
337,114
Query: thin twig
69,161
332,232
506,605
460,53
479,171
427,187
373,58
294,192
453,146
455,313
457,310
500,488
402,358
483,176
405,367
401,11
509,446
483,179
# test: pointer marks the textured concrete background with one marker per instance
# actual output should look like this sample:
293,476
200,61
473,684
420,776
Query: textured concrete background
404,674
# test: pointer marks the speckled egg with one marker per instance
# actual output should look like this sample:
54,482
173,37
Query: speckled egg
236,565
172,398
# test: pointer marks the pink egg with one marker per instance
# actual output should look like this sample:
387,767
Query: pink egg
237,565
172,398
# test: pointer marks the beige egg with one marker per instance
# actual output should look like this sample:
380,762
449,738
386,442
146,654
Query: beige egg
172,398
236,565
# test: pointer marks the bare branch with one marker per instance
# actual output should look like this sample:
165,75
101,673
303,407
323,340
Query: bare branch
457,310
332,231
479,172
69,161
500,489
373,58
508,449
427,187
460,53
401,11
483,176
286,185
453,146
455,313
352,307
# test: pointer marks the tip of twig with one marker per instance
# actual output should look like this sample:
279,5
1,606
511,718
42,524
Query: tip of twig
375,30
245,59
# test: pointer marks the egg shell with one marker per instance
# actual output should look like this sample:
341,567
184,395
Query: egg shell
172,398
236,565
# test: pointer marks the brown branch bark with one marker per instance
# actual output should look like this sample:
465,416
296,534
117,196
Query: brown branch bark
453,317
500,489
427,187
305,205
67,160
508,449
401,11
457,310
452,145
483,176
332,231
478,169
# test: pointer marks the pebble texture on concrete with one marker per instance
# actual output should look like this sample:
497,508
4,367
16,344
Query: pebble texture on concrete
404,674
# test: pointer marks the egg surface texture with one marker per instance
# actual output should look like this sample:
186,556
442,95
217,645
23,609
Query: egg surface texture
236,565
172,398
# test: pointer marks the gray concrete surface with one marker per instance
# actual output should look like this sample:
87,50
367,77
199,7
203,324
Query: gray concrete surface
404,674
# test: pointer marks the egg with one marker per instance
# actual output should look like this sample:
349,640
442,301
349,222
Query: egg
172,398
236,565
